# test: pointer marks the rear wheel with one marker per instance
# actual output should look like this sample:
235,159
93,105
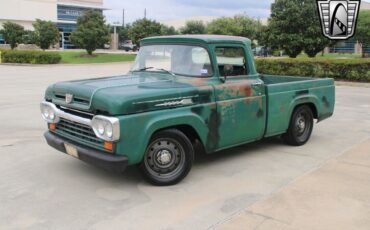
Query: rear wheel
300,127
168,158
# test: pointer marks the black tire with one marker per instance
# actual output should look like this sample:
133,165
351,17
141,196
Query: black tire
300,126
168,158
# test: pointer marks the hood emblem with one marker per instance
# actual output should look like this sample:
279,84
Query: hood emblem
69,98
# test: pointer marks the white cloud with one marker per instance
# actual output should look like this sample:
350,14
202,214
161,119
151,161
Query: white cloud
164,10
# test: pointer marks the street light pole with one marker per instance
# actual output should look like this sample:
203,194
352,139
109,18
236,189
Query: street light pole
123,18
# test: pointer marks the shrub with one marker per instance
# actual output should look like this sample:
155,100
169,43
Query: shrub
46,33
30,57
12,33
353,70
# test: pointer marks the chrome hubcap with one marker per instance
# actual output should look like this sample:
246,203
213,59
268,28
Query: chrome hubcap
301,124
164,157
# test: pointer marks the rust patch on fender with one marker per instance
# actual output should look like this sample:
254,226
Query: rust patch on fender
213,123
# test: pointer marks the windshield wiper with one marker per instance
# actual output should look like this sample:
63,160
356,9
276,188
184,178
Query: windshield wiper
161,69
142,69
167,71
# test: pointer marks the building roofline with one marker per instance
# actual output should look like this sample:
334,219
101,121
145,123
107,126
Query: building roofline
83,6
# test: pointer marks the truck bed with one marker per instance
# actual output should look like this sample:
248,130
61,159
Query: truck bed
283,93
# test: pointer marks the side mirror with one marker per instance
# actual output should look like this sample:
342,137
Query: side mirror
227,71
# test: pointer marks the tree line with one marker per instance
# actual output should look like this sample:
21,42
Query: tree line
44,35
294,26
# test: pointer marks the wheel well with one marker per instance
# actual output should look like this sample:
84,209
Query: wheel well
312,107
190,133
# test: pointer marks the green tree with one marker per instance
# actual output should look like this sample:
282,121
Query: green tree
123,33
314,41
194,27
238,25
168,30
91,32
29,37
143,28
363,30
294,26
46,34
12,33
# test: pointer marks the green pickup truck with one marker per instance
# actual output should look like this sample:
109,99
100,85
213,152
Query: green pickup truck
183,95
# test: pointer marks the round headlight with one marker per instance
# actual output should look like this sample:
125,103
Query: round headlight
49,112
46,112
51,115
106,128
109,130
101,129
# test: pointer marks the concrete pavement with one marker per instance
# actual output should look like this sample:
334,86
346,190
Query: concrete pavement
41,188
335,196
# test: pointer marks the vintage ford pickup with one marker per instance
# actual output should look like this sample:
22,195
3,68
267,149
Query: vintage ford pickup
183,95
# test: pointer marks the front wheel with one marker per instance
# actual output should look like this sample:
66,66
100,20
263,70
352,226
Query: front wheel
168,158
300,127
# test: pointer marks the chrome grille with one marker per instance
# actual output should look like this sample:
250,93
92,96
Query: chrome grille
79,133
75,99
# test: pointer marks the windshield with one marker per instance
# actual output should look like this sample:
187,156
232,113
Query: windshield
186,60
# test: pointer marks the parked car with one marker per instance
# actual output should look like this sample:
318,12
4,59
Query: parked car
184,95
127,46
262,51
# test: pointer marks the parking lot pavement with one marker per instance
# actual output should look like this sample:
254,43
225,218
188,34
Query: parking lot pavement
41,188
336,196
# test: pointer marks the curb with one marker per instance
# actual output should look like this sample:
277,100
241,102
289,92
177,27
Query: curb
352,84
57,65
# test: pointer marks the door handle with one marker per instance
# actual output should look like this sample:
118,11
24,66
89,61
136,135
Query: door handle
257,84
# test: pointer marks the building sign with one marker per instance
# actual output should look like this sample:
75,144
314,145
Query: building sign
69,13
73,13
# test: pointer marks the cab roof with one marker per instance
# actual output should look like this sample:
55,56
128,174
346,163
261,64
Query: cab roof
207,39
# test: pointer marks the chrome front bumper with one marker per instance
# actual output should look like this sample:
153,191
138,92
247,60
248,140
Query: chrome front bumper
61,114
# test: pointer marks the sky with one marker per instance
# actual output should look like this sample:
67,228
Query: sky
167,10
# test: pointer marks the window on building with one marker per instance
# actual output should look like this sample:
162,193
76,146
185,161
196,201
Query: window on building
2,41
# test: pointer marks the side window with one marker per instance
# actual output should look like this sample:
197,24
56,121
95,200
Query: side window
231,61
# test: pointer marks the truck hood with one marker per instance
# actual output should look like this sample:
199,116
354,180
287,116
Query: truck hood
129,94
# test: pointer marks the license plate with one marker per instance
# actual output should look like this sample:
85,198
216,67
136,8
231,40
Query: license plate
71,150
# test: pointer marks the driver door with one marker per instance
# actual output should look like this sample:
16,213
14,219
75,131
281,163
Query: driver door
240,99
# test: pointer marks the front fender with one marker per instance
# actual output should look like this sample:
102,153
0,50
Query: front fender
137,129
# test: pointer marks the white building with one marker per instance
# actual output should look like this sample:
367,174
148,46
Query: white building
63,13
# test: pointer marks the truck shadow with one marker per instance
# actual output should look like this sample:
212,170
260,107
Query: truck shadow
132,175
235,152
